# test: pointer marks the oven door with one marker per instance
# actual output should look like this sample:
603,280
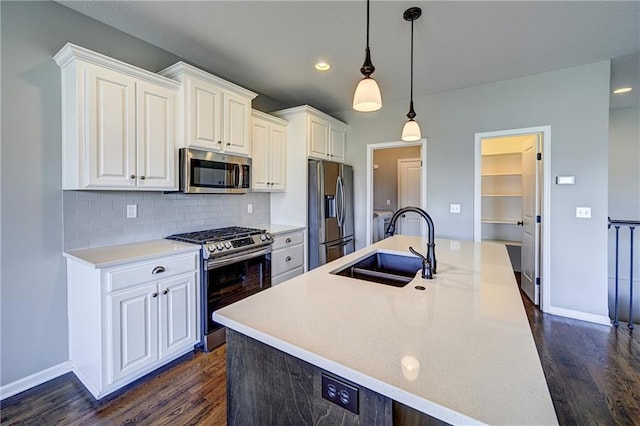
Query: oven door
233,278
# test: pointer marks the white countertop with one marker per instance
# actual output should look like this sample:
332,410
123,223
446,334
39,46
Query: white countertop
276,229
461,351
102,257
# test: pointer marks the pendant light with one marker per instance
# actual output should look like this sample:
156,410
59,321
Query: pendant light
411,129
367,97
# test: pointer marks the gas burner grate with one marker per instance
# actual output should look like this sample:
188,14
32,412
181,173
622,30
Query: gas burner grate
208,235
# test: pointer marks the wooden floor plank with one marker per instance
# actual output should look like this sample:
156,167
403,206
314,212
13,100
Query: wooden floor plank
593,373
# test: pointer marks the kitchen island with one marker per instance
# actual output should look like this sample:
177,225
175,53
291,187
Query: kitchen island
460,351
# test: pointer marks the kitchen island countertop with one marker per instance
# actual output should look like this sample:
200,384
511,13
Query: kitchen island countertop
460,351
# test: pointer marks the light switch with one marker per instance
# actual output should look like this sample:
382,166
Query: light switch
565,180
454,208
388,202
583,212
249,208
132,211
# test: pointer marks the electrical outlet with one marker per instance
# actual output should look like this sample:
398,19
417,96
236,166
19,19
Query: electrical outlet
388,202
132,211
583,212
340,393
249,208
454,208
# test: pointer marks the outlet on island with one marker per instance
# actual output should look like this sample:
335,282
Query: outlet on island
340,393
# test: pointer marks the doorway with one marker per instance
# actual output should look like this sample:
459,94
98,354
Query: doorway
390,203
512,201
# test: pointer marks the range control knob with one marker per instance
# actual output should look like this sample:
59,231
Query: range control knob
212,247
219,246
266,236
227,245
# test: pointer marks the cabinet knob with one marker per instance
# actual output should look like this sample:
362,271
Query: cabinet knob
288,258
288,240
154,295
142,178
219,142
268,183
327,154
228,143
166,291
158,270
520,222
132,176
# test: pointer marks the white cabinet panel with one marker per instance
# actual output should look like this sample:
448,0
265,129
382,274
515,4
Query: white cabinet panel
287,258
177,313
237,116
134,330
268,140
203,116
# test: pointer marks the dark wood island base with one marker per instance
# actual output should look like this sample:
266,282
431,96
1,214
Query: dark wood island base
266,386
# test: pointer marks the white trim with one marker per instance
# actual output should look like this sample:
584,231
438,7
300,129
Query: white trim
177,70
582,316
545,261
35,379
422,143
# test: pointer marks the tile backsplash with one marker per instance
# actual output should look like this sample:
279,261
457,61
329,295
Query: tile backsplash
99,218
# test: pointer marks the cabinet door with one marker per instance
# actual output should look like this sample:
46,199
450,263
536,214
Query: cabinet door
110,157
278,159
134,330
155,137
338,139
318,138
237,115
178,313
204,117
260,154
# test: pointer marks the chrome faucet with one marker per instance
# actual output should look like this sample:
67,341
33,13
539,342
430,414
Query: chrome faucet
429,263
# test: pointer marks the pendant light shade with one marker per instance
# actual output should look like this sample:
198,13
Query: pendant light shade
367,97
411,129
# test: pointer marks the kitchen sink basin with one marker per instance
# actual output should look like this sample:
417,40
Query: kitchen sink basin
383,268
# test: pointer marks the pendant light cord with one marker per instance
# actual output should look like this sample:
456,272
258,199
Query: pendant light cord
367,24
412,64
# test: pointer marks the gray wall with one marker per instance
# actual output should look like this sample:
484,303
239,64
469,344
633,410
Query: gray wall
574,102
33,276
385,178
624,202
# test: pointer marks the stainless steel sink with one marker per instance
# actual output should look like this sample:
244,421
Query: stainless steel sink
383,268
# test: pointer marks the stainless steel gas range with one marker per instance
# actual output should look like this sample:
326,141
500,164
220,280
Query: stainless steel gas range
236,263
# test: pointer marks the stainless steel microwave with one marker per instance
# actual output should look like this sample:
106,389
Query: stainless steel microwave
208,172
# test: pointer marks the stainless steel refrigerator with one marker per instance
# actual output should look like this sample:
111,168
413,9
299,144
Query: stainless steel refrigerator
330,214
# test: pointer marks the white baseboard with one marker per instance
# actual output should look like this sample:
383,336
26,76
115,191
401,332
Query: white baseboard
582,316
35,379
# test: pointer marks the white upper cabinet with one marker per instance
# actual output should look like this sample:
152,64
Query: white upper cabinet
326,137
119,124
268,140
214,114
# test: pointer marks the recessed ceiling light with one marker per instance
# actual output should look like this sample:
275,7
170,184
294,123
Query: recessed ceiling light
622,90
323,66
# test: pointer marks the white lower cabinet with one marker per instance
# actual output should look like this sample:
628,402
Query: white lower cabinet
125,321
287,258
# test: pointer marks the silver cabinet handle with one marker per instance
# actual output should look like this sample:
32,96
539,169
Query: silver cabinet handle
154,295
132,176
158,270
166,291
288,240
288,258
142,178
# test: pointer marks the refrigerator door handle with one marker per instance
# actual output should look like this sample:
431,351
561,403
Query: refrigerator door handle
339,197
341,244
342,203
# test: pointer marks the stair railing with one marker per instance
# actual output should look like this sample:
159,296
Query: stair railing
631,224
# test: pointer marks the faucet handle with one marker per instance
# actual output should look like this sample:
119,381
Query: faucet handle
412,250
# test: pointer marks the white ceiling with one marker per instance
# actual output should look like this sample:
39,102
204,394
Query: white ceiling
271,46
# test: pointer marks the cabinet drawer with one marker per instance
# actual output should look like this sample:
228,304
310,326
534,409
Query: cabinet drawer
287,276
141,272
286,259
286,240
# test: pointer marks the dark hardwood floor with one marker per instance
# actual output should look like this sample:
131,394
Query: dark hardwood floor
593,373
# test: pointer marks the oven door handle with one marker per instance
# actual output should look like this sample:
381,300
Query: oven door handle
216,263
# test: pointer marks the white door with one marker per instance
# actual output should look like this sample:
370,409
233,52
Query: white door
409,175
111,128
530,255
155,137
260,153
277,151
237,117
134,330
204,119
177,313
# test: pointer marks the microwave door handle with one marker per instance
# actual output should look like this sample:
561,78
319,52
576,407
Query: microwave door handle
237,175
